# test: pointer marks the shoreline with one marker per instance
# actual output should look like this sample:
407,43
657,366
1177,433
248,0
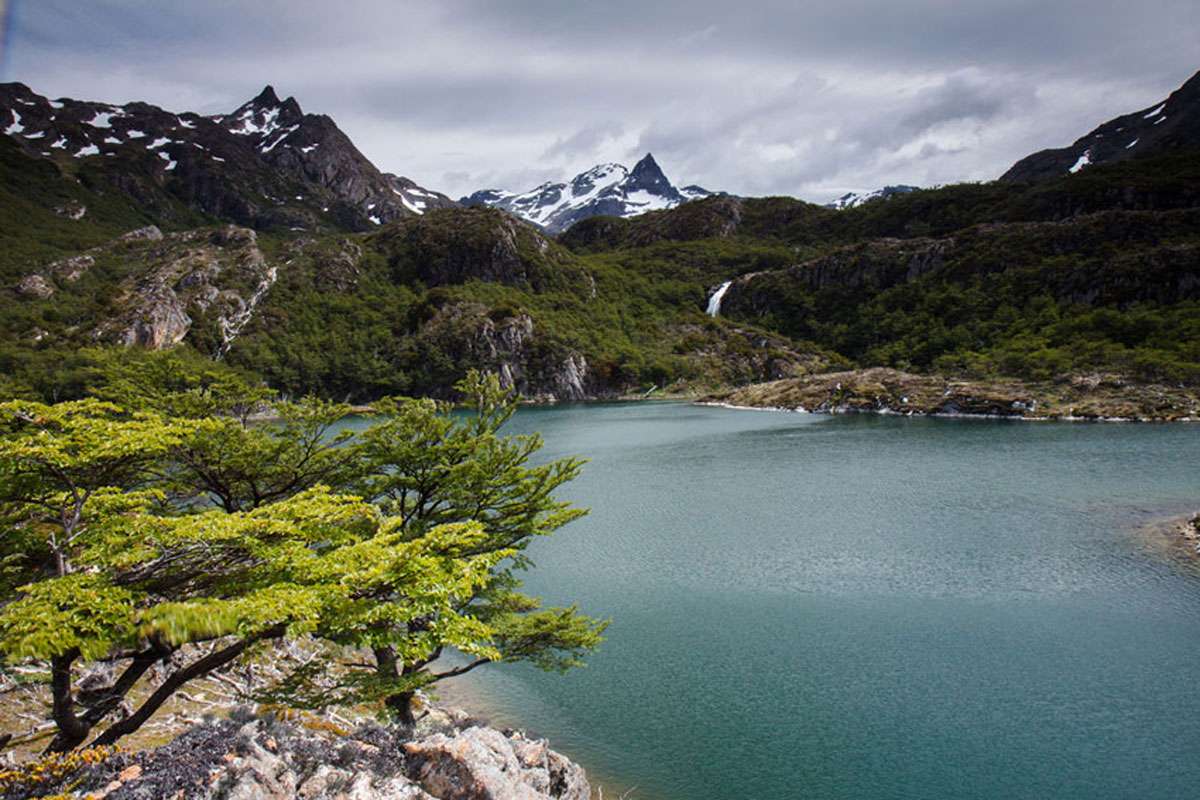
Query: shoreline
885,391
1177,535
891,412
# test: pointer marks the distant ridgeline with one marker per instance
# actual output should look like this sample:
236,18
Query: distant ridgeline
265,238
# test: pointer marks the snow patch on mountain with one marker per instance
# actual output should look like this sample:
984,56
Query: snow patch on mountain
608,189
854,199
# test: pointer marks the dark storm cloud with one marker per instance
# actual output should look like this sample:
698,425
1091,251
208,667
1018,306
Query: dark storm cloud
764,96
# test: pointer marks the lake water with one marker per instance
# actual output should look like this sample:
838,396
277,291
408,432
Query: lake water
868,607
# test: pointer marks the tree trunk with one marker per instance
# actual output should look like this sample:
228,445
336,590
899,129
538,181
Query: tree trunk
401,706
72,731
175,680
388,667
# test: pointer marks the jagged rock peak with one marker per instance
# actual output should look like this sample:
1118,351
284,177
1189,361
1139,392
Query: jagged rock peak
266,108
266,97
647,173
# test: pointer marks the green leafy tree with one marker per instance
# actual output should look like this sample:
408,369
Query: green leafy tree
56,461
110,561
243,464
317,564
427,467
254,449
176,383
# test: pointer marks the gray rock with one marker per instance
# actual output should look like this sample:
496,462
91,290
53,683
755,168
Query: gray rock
265,759
484,764
35,286
221,276
69,270
150,233
72,210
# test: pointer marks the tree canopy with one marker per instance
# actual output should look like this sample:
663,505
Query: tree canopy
165,523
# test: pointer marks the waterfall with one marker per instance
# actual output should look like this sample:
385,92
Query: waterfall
714,302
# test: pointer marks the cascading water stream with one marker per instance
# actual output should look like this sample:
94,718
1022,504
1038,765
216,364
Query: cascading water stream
714,302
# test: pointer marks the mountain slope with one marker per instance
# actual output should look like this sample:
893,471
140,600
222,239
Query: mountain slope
266,165
603,190
854,199
1170,125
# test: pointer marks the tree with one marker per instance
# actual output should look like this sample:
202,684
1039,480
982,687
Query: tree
58,460
253,450
136,537
317,564
427,467
241,464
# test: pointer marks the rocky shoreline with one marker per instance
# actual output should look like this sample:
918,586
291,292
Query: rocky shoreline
1101,398
286,755
1189,529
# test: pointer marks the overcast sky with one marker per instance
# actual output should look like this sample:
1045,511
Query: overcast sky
810,99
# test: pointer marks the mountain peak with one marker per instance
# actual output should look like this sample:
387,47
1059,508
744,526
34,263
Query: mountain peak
608,189
647,176
266,97
647,166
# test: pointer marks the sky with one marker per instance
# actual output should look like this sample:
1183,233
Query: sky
757,97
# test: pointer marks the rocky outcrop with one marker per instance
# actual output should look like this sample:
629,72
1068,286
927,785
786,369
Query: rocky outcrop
150,233
218,276
539,369
35,287
72,210
882,390
1190,530
69,270
448,757
484,763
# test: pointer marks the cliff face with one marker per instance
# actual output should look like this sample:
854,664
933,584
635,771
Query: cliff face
526,360
217,276
448,757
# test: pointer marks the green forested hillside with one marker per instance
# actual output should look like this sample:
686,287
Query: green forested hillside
1093,271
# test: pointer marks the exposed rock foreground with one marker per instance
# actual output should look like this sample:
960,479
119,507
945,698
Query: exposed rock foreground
881,390
449,757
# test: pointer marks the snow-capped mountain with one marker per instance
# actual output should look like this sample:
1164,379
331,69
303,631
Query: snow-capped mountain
854,199
1169,124
267,164
609,189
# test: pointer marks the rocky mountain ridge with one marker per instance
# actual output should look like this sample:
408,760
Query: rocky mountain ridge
604,190
1171,124
265,165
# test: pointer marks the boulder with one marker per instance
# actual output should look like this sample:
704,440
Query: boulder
69,270
150,233
35,287
484,764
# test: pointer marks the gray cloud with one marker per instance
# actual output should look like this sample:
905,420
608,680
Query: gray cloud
761,97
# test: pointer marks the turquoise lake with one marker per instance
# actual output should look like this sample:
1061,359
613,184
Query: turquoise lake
868,607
